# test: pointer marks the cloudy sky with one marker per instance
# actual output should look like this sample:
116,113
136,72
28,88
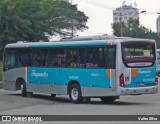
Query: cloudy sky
101,15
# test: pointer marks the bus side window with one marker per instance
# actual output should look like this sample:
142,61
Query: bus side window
51,58
111,57
24,57
35,58
76,57
96,57
101,57
39,57
9,60
91,57
57,57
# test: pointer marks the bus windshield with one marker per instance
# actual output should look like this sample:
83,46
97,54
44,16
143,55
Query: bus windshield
138,52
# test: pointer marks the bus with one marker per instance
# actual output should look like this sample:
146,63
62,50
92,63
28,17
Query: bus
158,61
82,67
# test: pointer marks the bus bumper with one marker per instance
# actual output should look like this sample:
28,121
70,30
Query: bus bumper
137,91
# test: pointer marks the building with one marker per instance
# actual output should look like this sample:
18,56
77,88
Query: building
158,25
125,13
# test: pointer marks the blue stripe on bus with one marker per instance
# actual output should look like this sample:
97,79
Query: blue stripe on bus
62,76
67,45
87,77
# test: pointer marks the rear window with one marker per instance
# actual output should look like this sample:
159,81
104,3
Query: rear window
138,53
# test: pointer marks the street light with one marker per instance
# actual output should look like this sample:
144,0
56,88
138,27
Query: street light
138,13
121,30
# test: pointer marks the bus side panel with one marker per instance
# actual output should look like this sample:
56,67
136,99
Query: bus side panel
46,80
47,88
55,77
61,76
98,92
88,91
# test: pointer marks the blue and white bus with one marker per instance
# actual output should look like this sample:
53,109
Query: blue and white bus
82,67
158,61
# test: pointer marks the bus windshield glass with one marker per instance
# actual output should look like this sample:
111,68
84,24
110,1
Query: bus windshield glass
138,52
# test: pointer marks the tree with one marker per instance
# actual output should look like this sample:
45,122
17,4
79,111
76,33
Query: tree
117,28
135,30
35,20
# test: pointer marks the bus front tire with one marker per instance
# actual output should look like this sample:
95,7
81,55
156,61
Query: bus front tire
23,90
108,99
75,93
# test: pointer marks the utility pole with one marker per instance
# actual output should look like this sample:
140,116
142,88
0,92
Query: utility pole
121,27
72,33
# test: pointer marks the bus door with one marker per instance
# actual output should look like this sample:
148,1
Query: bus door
9,72
111,65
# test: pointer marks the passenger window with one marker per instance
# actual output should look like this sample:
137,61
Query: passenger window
24,57
91,57
76,57
111,57
57,57
101,58
39,57
96,57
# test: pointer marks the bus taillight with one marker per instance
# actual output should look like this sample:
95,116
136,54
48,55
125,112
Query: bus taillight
156,78
121,80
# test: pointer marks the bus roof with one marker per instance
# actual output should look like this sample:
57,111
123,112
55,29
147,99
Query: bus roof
82,42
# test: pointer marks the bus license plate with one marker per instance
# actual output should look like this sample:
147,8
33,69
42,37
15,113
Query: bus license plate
140,84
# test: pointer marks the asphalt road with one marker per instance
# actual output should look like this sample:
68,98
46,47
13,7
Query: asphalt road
11,102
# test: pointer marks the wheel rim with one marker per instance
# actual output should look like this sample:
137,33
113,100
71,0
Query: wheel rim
74,94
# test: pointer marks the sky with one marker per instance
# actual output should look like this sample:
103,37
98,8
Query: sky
101,18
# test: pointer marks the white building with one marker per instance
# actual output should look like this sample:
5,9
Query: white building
125,13
158,25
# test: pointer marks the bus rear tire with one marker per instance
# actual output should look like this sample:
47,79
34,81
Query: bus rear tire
108,99
23,90
30,94
75,93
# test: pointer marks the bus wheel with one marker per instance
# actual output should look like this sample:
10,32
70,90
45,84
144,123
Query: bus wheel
29,94
75,93
23,90
108,99
53,96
